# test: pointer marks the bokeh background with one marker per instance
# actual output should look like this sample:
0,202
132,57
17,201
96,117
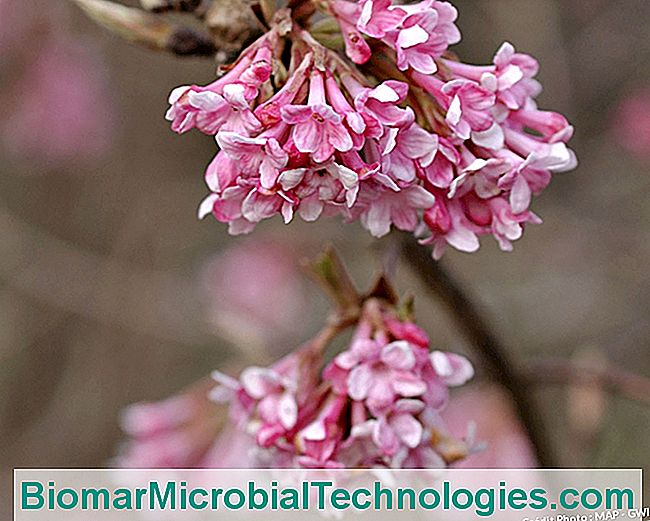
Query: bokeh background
112,292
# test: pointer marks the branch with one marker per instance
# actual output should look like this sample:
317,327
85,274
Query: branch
148,29
162,6
328,271
474,327
558,371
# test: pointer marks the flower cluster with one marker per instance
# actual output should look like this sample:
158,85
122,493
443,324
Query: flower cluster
431,145
376,404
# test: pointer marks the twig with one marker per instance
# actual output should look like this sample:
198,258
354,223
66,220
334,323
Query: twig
331,275
148,29
555,371
473,325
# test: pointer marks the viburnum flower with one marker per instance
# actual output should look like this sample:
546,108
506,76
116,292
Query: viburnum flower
183,431
317,128
373,405
416,139
377,403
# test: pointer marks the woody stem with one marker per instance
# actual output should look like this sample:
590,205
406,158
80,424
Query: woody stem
473,325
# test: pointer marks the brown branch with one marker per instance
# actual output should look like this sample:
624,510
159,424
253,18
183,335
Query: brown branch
470,321
185,41
556,371
148,29
162,6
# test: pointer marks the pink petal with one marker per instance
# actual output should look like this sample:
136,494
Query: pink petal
408,385
454,369
385,437
258,382
359,382
407,429
520,195
398,355
288,411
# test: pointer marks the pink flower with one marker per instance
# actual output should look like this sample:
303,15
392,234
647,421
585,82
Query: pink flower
393,385
405,149
260,204
395,431
448,224
224,104
227,207
551,126
380,207
269,112
482,176
347,13
261,156
359,125
424,35
178,432
381,103
221,173
229,111
555,157
61,111
459,156
507,226
267,400
319,439
379,17
440,173
528,177
469,109
453,369
316,127
378,375
183,114
511,77
356,47
316,187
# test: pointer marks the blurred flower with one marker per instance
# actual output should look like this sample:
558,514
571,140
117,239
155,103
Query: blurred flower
184,431
631,124
488,412
255,294
61,111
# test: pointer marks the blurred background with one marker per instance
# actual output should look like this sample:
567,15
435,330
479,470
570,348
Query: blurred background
112,292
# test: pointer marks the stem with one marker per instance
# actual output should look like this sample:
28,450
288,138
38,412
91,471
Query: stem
330,274
474,327
337,324
558,371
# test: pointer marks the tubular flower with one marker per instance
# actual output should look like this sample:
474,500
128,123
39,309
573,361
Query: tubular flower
377,404
424,142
